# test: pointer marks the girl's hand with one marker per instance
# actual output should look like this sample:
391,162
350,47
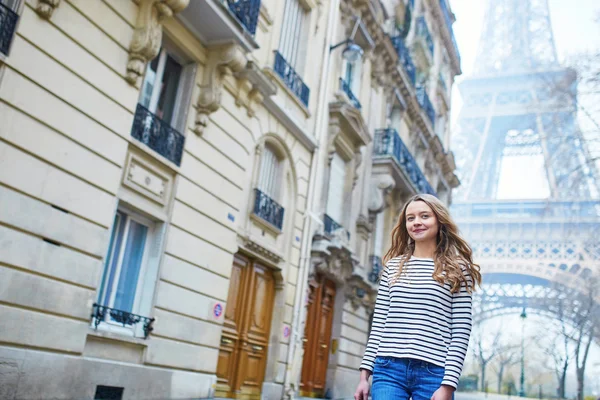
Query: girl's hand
362,391
445,392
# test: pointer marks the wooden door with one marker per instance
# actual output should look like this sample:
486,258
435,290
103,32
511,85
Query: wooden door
317,337
245,338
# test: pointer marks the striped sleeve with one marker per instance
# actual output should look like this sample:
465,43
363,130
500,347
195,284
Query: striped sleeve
460,332
382,304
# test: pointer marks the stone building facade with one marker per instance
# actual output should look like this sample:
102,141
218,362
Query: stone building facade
196,194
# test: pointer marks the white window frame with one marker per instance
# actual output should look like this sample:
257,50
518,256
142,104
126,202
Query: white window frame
354,78
146,278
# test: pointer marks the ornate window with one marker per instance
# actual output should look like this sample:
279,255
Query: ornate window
164,101
8,23
268,193
269,181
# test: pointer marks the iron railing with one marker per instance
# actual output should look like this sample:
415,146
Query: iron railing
246,11
405,58
345,87
268,209
426,105
331,226
376,268
125,318
446,14
388,144
157,134
291,79
423,31
8,25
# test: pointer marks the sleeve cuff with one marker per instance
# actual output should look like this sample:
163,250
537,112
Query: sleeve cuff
450,382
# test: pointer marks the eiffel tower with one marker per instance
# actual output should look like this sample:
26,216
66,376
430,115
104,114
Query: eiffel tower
527,201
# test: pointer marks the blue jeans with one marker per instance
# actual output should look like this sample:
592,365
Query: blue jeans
404,378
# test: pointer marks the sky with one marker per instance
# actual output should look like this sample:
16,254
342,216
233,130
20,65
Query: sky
576,27
576,30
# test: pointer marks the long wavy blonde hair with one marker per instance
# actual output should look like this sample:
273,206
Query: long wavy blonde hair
452,253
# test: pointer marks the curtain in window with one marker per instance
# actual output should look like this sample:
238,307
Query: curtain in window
269,180
291,42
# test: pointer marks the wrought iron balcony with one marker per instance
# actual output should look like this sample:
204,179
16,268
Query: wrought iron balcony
246,11
291,79
8,24
405,58
101,313
425,104
423,31
157,134
268,209
345,87
388,144
446,14
331,226
376,268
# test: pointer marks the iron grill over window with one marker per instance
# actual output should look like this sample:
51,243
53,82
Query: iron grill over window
246,11
426,105
8,24
104,313
268,209
376,268
291,79
157,134
345,87
405,58
388,143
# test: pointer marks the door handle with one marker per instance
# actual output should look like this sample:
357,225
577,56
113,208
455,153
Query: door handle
323,346
305,340
256,348
226,341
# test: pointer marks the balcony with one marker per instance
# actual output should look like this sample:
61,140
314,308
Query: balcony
246,11
291,79
448,19
426,105
216,22
376,268
126,319
345,87
423,32
388,144
8,25
268,209
157,134
332,226
405,58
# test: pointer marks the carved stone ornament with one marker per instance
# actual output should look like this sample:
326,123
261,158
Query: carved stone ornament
45,8
147,36
332,258
380,186
261,251
223,60
360,293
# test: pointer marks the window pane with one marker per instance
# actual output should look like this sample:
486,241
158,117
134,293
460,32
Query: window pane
149,82
269,174
337,184
130,268
112,258
168,94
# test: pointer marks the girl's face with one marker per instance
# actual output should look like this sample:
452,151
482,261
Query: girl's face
421,222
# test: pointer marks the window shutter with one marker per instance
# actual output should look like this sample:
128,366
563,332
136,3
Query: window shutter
269,180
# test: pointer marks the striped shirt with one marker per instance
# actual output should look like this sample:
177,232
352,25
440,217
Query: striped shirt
421,319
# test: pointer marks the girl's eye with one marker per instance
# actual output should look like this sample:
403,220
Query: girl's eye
425,216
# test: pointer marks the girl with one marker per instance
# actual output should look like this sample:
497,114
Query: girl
422,320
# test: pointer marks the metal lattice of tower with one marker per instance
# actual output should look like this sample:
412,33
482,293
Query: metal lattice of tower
517,128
